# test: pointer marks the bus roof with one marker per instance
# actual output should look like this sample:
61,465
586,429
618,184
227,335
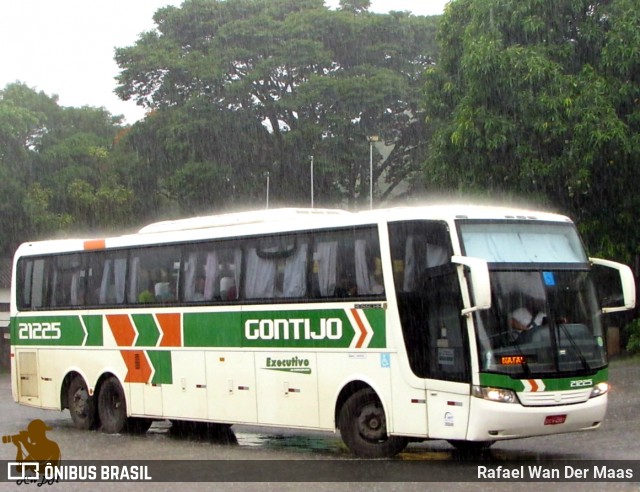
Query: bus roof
282,220
240,218
455,211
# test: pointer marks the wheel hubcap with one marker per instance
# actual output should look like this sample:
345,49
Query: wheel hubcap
80,403
371,423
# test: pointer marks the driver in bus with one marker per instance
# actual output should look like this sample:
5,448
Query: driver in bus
527,317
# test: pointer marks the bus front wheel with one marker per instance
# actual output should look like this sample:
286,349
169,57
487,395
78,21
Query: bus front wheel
82,406
363,427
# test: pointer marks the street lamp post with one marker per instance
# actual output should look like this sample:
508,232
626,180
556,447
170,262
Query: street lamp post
372,139
311,159
267,190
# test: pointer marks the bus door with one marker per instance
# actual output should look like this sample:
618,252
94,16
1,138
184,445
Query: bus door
447,365
433,327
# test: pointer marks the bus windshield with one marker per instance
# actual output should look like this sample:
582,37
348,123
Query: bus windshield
544,317
541,323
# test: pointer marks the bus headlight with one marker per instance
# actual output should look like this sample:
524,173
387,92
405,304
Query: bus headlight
494,394
599,389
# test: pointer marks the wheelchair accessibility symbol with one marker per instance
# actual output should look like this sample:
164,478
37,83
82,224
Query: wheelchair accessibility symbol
385,361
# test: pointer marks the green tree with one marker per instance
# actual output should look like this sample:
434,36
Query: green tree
58,168
311,77
535,99
75,163
355,6
175,144
24,119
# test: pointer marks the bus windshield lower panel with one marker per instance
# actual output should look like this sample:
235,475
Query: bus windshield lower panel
541,324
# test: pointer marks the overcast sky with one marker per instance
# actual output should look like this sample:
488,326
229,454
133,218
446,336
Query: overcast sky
66,47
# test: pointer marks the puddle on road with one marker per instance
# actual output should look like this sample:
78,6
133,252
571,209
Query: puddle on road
312,444
324,445
292,443
240,436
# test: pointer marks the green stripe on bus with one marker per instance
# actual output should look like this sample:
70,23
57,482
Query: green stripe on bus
161,362
212,330
47,330
318,328
347,328
93,324
148,332
377,320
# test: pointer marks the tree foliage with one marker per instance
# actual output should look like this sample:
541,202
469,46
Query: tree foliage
539,99
300,79
530,99
235,89
57,168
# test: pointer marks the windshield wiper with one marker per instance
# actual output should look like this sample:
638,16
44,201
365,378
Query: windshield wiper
574,346
525,365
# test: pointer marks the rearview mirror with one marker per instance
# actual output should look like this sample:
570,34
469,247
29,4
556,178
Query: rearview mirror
480,282
615,285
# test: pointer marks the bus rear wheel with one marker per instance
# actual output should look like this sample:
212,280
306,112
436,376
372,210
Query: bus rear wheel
112,406
363,427
112,410
82,406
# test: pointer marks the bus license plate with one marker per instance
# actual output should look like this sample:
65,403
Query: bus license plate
555,419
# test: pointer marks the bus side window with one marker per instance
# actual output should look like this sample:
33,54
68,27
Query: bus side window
201,274
112,285
368,268
228,289
25,269
68,281
276,268
23,292
260,279
154,275
211,272
294,273
324,267
40,274
420,253
347,264
94,270
228,271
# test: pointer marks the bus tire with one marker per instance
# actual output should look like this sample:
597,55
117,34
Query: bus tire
112,406
363,427
82,406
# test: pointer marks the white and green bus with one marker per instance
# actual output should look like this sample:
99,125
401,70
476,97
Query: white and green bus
391,325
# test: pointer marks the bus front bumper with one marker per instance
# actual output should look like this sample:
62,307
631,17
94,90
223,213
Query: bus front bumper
490,420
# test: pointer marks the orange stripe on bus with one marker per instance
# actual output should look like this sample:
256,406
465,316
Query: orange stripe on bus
138,368
123,331
363,330
95,244
170,326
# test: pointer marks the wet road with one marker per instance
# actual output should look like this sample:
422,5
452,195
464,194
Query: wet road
617,439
